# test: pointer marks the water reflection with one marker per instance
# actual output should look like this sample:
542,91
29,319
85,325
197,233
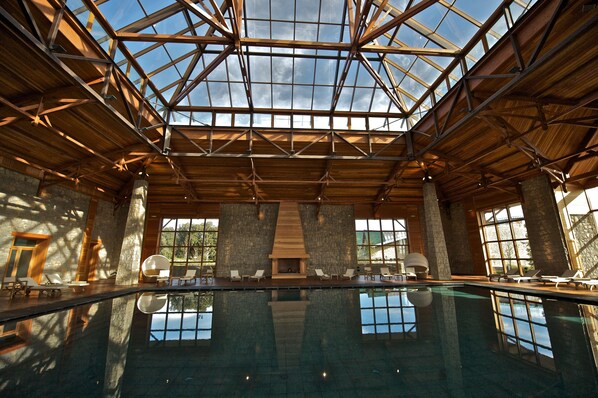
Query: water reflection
438,342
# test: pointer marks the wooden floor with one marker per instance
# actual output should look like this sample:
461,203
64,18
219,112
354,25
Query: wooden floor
22,306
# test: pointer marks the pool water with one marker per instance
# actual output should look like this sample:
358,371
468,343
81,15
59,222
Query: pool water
425,342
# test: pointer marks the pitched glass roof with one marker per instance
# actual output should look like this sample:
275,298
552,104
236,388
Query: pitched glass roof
370,64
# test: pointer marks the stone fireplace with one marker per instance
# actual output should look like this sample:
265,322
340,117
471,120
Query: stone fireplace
288,253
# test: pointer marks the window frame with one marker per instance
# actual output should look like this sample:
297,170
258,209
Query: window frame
508,219
399,249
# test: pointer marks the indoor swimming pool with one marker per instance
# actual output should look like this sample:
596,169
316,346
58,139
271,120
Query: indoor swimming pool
416,342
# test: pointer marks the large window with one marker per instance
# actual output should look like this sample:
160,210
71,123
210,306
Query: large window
387,315
579,210
185,319
381,241
189,242
522,329
504,237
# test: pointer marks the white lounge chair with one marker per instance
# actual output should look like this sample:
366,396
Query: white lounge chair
533,275
189,276
349,274
55,279
259,274
410,273
565,277
590,283
234,275
385,273
29,284
504,275
320,274
163,276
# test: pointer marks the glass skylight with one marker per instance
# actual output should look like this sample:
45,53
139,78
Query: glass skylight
297,60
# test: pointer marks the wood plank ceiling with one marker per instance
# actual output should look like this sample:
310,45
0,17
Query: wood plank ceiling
530,105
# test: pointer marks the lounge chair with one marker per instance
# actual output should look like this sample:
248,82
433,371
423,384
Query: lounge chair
163,276
385,273
189,276
259,274
368,273
207,274
533,275
10,285
234,275
349,274
320,274
55,279
29,284
504,275
590,283
566,277
410,273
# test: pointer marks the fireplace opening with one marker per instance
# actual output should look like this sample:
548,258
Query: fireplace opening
289,265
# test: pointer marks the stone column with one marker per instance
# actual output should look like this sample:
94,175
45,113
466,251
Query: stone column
121,320
457,239
437,253
130,254
544,229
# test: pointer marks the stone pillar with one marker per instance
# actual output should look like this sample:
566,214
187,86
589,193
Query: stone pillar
437,253
544,228
457,239
130,254
118,345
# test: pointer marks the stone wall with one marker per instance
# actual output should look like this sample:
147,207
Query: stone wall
329,240
544,227
457,239
62,214
245,242
109,227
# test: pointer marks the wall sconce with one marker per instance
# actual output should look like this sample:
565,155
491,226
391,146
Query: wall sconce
261,215
321,219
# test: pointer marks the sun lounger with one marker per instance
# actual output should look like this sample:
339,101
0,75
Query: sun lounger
565,277
504,275
320,274
533,275
234,275
259,274
55,279
385,273
590,283
29,285
349,274
189,276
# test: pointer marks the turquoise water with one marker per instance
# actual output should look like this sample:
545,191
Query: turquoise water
439,342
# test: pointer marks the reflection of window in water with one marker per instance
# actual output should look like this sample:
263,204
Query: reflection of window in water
184,318
387,315
13,335
521,327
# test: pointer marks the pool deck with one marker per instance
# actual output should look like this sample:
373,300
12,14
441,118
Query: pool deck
22,306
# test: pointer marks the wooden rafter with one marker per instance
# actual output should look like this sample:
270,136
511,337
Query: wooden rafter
214,22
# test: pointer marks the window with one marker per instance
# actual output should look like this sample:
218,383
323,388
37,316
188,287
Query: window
381,241
579,211
189,242
387,314
522,329
504,238
185,319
